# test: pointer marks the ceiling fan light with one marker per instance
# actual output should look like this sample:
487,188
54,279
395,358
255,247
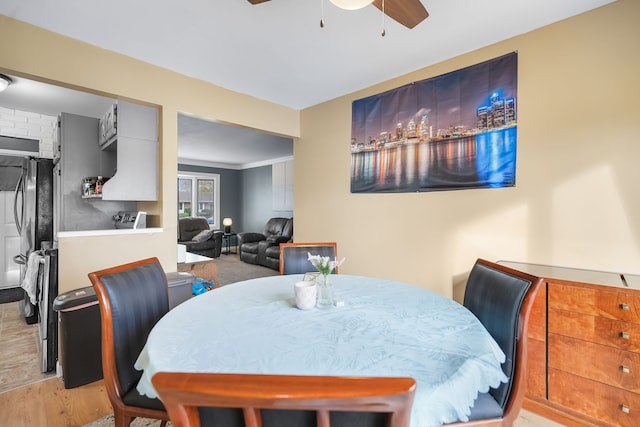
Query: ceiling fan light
351,4
4,82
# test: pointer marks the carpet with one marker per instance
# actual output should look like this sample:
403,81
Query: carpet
107,421
11,295
231,270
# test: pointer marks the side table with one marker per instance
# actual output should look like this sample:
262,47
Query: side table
226,242
201,266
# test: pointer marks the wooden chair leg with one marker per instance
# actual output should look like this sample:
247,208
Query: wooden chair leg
121,420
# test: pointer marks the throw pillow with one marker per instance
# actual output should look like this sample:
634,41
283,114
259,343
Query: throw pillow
203,235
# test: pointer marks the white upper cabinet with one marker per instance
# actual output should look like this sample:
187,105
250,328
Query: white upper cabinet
136,176
282,186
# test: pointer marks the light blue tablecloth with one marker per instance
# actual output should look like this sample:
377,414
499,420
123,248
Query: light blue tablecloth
385,328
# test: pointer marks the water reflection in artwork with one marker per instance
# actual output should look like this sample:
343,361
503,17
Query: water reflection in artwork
481,161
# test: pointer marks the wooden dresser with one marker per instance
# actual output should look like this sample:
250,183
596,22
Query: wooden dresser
584,347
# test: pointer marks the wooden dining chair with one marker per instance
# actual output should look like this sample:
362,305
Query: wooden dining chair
501,298
294,256
132,298
206,399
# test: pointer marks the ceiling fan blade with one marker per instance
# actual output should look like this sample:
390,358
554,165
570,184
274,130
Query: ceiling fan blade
407,12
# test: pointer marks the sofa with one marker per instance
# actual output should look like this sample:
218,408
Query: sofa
264,248
194,233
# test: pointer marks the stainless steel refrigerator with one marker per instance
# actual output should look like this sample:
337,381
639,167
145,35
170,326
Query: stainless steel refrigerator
33,210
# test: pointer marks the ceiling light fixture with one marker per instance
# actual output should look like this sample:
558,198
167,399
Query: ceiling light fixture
4,82
351,4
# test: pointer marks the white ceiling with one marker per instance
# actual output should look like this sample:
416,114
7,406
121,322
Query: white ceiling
200,142
277,51
207,143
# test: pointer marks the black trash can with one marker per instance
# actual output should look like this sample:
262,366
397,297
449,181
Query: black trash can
80,336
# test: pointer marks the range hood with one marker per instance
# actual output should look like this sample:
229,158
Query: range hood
10,171
16,146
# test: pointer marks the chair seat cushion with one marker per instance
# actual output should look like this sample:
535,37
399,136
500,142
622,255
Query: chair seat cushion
273,252
196,246
485,407
133,398
251,248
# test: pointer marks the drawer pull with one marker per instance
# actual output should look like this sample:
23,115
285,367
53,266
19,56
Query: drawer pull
624,408
624,306
625,369
624,335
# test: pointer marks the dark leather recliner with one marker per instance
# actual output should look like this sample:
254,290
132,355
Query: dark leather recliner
194,233
264,248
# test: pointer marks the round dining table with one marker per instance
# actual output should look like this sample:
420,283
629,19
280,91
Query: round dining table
379,328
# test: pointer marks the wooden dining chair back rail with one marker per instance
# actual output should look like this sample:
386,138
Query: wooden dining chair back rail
132,298
186,395
501,298
294,258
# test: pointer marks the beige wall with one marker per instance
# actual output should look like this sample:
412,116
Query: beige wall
576,200
32,52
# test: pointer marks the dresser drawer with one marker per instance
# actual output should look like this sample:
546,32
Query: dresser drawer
602,330
605,364
612,405
595,301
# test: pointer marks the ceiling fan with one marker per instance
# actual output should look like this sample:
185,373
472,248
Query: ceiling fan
407,12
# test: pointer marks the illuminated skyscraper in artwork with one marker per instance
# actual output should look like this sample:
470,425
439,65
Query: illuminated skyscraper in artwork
411,129
496,111
510,111
424,130
482,118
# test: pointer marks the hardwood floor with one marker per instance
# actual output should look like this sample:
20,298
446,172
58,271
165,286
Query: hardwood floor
48,404
20,363
29,398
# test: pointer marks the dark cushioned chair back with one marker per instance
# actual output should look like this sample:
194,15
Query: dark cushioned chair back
274,227
287,230
138,298
295,259
238,400
232,417
191,226
495,297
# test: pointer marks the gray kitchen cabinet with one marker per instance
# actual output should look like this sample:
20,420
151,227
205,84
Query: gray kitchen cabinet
136,147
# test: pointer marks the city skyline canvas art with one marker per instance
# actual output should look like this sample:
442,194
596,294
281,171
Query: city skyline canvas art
450,132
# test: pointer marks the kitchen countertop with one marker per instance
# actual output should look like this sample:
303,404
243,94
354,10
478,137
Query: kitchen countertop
108,232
